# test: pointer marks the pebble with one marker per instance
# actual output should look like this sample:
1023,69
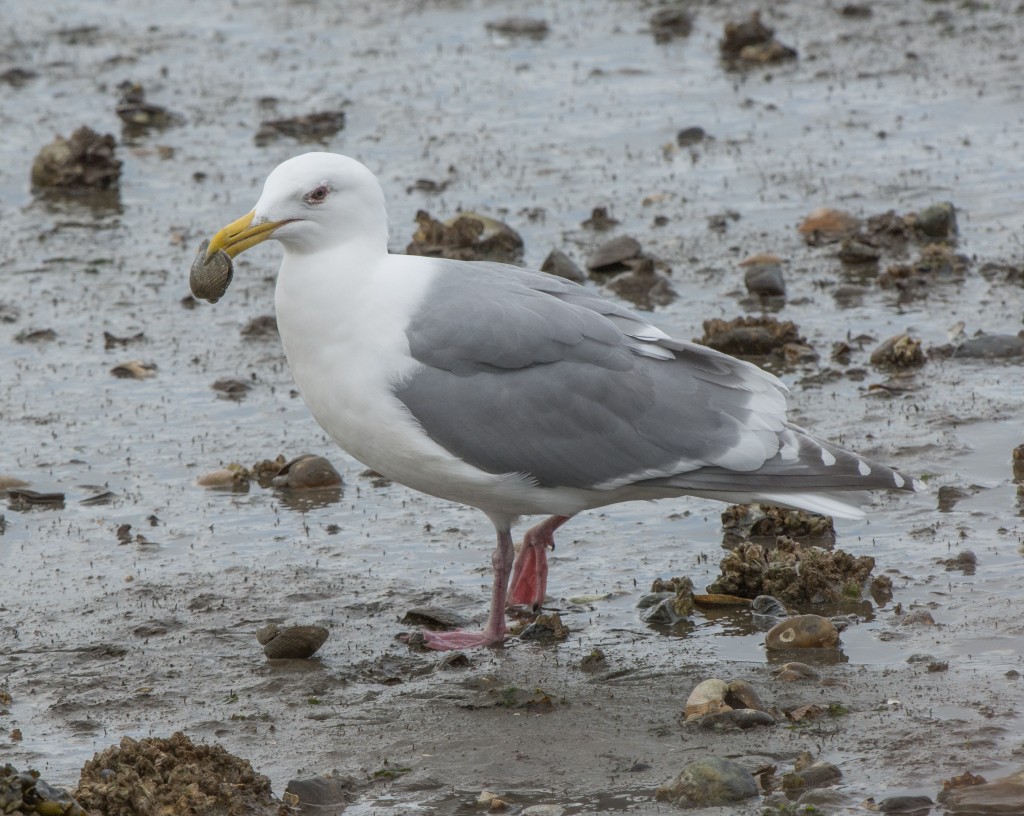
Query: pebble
325,792
468,236
937,221
435,616
134,370
610,258
291,642
560,264
687,137
533,27
904,804
642,286
828,226
739,718
307,472
670,22
763,275
708,782
803,632
810,774
546,627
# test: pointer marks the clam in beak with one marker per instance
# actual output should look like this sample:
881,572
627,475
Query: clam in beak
240,235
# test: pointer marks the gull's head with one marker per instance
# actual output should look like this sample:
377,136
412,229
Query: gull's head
311,203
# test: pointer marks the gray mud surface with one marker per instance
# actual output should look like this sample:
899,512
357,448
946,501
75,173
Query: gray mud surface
103,636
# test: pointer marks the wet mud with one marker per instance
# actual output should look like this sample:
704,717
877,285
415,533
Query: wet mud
132,594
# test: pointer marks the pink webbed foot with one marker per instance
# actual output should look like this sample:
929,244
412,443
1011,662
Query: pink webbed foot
530,571
461,639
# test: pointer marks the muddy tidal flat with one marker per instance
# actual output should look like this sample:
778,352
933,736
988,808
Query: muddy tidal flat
849,184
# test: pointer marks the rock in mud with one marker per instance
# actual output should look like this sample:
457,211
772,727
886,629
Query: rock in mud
327,794
612,256
828,226
291,642
984,347
803,632
467,237
810,773
310,127
752,42
26,793
547,628
84,161
307,472
140,116
1017,463
560,264
670,22
259,328
768,607
909,805
750,336
709,782
936,221
134,370
231,389
600,220
156,776
643,287
900,351
35,336
936,264
762,275
533,27
690,136
856,250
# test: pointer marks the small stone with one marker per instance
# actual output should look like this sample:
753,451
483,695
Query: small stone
546,627
328,792
737,36
803,632
763,275
307,472
810,774
560,264
468,236
669,23
855,251
134,370
231,389
291,642
261,327
937,221
904,804
918,617
708,782
599,220
828,226
532,27
643,287
434,616
687,137
610,258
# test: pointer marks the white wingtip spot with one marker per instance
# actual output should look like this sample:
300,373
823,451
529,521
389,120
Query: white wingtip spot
899,480
827,459
864,469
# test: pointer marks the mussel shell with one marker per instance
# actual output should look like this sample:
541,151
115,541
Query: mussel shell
210,277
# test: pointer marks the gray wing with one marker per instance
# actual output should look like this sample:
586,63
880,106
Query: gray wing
523,372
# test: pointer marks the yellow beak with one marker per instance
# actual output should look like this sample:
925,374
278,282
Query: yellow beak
239,235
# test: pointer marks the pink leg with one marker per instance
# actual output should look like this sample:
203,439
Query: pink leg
530,573
494,632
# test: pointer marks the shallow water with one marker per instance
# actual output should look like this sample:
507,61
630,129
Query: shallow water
538,133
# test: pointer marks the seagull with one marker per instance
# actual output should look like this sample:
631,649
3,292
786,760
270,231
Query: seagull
514,391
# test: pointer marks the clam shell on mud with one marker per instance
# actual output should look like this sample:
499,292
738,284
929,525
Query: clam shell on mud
210,277
291,642
708,697
803,632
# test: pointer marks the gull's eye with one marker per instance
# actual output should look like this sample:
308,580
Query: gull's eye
318,195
